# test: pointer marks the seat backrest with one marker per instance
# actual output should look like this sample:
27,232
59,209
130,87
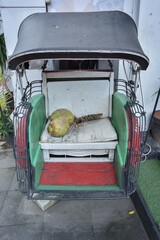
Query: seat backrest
81,92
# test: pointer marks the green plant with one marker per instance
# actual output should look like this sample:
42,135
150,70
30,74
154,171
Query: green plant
3,52
3,59
9,124
5,94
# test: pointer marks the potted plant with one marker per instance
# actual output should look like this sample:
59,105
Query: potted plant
155,127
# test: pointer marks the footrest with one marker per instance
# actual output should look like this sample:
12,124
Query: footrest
78,174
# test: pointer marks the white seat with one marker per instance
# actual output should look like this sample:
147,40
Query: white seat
83,93
96,138
100,130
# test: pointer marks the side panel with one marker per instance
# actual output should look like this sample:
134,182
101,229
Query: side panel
39,161
36,125
119,121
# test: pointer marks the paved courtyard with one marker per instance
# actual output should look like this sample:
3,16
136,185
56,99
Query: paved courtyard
22,219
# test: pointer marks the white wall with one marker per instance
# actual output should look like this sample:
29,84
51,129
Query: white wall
84,5
1,26
131,7
149,36
146,15
13,13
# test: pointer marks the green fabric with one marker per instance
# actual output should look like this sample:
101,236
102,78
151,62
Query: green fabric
120,123
118,166
39,161
36,125
149,186
72,188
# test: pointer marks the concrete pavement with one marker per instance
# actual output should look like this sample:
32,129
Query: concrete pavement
22,219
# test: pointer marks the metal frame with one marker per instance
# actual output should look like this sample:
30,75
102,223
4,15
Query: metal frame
76,195
21,137
136,137
126,88
25,172
21,145
31,89
136,118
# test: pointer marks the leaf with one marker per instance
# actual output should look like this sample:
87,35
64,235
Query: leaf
3,52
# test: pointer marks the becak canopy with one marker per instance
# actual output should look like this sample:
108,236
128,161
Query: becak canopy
78,35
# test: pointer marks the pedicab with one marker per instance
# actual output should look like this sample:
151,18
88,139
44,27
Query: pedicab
99,155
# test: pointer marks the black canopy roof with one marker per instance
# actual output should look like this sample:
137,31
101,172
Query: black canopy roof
78,35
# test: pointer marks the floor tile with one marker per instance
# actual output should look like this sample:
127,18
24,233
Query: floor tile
68,215
18,210
124,229
2,198
68,235
14,183
7,159
111,219
21,232
106,211
6,176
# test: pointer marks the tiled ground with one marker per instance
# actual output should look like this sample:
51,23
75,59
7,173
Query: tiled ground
22,219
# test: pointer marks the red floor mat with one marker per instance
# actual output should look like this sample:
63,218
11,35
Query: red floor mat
76,174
